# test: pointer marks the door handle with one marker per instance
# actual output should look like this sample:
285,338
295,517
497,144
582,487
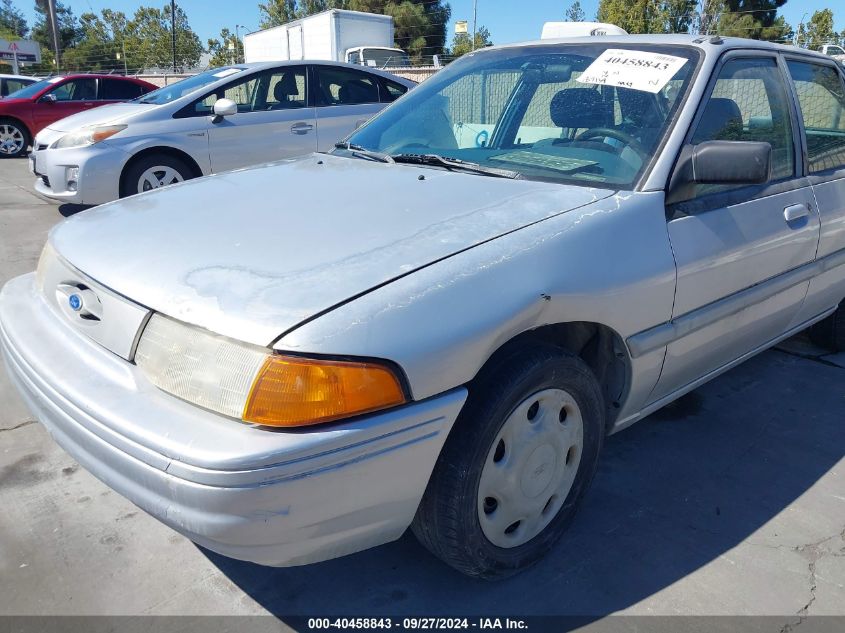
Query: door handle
795,212
301,128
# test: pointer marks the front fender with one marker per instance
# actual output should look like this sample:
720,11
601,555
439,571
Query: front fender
609,262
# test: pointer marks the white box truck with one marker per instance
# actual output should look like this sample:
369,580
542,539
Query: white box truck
336,34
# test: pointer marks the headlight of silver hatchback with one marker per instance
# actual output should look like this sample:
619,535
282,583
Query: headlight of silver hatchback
88,136
257,385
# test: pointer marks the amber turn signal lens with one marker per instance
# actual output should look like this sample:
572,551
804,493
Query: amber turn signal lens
292,391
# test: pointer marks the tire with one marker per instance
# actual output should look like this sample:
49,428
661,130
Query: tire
455,521
160,168
14,138
830,332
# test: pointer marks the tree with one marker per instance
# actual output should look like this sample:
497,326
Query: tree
754,19
68,27
276,12
575,13
462,42
818,31
12,22
148,39
635,16
227,49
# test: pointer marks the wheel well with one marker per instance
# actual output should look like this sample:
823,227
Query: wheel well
29,137
601,348
167,151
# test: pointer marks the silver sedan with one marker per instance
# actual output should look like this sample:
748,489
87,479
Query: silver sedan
437,324
219,120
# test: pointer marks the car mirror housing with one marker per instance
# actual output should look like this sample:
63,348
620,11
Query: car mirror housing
48,98
719,163
223,108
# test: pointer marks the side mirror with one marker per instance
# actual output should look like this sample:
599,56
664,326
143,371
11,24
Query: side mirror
223,108
719,163
48,98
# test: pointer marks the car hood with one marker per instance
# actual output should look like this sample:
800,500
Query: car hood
252,253
104,115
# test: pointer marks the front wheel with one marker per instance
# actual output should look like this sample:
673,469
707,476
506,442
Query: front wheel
516,465
14,139
154,172
830,332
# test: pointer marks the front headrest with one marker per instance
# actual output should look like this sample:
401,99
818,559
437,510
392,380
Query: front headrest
721,121
577,108
285,87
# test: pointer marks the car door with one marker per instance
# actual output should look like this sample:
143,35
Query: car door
820,91
346,98
71,96
743,253
274,120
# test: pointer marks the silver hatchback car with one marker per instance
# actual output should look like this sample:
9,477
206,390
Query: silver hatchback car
222,119
437,324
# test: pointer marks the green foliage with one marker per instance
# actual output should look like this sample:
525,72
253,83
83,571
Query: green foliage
419,25
12,22
68,27
818,31
648,16
575,13
462,42
753,19
225,50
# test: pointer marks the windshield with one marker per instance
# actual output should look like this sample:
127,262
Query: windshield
584,114
28,92
187,86
385,58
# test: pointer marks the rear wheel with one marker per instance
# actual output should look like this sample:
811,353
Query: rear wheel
516,465
830,332
14,138
153,172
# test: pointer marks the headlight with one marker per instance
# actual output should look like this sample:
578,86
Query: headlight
88,136
47,254
254,384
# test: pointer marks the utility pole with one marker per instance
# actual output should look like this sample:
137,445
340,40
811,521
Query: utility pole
54,27
238,43
173,31
474,16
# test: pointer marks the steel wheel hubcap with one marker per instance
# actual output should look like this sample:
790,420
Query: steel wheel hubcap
159,176
530,468
11,139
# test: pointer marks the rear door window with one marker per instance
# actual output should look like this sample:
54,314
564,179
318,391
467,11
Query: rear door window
83,89
342,86
118,90
821,96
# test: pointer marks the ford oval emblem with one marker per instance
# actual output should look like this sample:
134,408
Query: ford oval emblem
75,302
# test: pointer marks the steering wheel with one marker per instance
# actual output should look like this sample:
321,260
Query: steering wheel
619,135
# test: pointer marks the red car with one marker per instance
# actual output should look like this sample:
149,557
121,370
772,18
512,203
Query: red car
26,112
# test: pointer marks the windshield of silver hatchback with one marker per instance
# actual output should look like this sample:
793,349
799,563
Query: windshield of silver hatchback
587,114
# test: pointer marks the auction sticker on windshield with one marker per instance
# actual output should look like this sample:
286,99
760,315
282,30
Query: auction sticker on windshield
638,70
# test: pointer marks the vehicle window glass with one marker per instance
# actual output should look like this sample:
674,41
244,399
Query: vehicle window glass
191,84
119,90
542,111
12,85
822,99
76,90
341,86
391,90
749,103
277,89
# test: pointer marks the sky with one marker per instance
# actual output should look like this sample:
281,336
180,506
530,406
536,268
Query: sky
507,21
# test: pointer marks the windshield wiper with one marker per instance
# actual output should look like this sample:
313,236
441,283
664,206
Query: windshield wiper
455,164
363,152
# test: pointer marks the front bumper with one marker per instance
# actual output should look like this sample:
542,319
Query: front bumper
100,167
268,496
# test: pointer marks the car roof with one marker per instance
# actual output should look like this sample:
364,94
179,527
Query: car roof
710,44
322,62
24,77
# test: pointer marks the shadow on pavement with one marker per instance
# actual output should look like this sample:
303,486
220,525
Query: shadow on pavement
672,493
67,210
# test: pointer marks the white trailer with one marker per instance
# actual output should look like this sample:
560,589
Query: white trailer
335,34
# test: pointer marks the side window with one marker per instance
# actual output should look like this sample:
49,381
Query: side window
391,91
117,90
822,99
341,86
76,90
749,103
8,86
276,89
